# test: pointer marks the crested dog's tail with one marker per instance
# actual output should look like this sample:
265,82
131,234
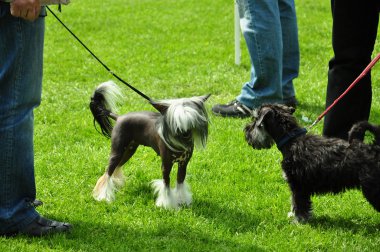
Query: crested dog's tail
359,129
103,106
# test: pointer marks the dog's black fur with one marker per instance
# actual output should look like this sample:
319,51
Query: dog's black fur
314,164
171,133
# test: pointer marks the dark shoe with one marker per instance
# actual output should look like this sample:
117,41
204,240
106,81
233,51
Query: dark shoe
37,203
291,102
232,109
42,226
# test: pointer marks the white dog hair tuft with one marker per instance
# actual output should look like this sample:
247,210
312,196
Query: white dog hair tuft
104,189
112,94
165,197
183,193
118,177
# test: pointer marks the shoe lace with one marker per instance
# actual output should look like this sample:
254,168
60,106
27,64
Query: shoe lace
240,106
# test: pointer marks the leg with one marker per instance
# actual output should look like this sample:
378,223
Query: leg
107,184
165,197
117,175
270,32
373,196
371,189
20,92
301,206
354,34
182,190
291,55
261,27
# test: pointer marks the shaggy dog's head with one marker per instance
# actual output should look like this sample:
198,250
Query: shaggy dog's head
269,123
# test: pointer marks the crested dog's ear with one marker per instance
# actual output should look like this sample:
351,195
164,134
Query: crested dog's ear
160,106
204,98
264,113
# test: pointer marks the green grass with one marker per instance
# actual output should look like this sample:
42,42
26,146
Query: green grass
172,49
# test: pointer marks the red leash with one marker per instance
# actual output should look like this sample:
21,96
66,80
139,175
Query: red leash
365,71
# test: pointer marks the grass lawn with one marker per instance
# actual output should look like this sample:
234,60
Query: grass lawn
173,49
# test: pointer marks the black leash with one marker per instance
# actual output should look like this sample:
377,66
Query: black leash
104,65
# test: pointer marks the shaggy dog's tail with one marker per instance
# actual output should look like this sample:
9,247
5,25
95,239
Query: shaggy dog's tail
359,129
103,106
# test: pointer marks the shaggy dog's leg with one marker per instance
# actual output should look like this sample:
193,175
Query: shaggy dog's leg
301,206
372,194
291,213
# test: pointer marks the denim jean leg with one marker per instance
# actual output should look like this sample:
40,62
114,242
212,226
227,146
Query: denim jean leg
291,55
261,28
21,50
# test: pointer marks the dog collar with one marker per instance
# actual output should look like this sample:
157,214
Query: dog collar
289,136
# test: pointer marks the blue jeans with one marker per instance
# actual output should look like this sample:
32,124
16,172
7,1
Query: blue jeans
271,34
21,58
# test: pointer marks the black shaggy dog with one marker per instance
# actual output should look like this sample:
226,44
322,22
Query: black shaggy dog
314,164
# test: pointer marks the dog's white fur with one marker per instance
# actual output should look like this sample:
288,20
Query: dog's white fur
105,189
165,196
183,193
112,93
106,186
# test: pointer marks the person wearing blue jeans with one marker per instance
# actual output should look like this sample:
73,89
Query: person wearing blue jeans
21,58
271,34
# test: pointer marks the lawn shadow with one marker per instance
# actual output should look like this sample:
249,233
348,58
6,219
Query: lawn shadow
232,219
327,222
93,236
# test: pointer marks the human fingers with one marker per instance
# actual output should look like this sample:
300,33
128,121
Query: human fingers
26,9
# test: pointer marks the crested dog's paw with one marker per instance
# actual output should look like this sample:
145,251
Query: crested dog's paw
104,189
183,194
165,197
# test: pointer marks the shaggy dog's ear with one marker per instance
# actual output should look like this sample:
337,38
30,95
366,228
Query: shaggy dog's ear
264,113
288,109
161,107
291,110
254,113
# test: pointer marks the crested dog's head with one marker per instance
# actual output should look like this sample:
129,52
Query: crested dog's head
269,123
184,122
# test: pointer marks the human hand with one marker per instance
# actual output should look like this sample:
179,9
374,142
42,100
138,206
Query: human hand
26,9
